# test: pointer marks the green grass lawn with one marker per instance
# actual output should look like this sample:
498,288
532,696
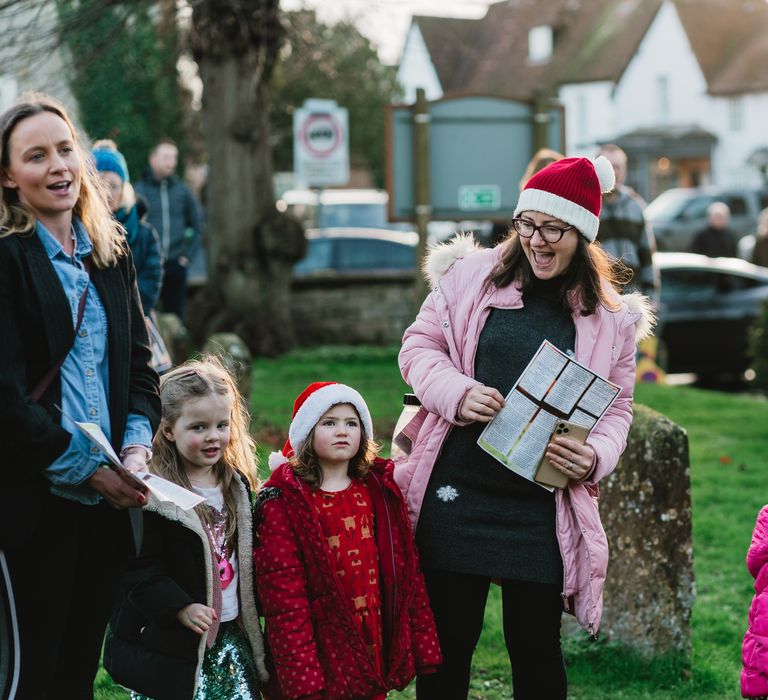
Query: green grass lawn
729,482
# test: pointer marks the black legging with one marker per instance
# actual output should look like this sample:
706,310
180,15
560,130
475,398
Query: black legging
531,614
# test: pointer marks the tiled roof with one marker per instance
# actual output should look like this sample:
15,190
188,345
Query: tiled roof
730,40
593,40
453,46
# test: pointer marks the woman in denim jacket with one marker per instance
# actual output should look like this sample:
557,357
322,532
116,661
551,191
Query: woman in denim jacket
73,348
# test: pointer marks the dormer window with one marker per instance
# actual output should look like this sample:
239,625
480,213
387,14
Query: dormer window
540,44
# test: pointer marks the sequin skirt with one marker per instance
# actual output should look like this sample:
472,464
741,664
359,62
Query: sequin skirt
228,671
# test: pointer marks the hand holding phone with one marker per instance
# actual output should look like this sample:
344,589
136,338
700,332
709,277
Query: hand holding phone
547,473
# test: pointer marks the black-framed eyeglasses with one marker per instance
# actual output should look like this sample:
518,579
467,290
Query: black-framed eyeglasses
549,232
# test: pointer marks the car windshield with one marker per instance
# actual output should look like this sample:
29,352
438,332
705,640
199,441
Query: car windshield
362,215
363,254
667,206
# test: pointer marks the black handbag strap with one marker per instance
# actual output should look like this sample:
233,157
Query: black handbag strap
46,380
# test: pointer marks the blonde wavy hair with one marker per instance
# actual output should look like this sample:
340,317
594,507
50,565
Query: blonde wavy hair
91,208
194,380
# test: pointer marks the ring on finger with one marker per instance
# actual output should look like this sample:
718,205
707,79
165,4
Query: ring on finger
570,466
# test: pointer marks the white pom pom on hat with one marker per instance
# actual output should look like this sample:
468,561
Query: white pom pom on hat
606,175
571,190
309,407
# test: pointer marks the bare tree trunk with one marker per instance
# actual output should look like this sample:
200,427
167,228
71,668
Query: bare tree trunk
251,246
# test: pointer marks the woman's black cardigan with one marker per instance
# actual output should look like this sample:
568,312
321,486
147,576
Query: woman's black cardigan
36,330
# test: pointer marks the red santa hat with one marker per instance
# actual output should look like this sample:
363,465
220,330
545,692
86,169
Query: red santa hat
571,190
309,407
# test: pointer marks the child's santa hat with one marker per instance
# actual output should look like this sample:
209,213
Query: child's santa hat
309,407
571,190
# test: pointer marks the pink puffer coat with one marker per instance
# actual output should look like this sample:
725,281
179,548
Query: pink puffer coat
437,359
754,651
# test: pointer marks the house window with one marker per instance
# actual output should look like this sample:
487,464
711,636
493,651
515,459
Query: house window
662,98
735,114
540,43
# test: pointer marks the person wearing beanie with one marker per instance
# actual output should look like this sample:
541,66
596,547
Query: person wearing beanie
336,569
476,521
142,238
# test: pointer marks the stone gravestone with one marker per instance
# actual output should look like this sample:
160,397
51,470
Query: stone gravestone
645,506
234,354
175,336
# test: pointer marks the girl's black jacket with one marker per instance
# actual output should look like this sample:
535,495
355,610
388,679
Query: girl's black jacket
147,649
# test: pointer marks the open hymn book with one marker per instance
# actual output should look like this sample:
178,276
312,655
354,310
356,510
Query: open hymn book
552,387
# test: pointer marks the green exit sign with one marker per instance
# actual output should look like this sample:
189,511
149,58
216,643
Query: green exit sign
479,197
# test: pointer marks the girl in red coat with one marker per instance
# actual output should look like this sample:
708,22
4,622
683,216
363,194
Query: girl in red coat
337,574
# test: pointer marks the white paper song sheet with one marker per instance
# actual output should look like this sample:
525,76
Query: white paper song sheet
538,376
503,432
163,489
553,386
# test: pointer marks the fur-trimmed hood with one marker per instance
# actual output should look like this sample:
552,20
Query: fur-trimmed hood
249,613
441,257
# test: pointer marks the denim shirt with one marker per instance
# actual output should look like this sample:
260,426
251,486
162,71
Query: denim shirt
84,375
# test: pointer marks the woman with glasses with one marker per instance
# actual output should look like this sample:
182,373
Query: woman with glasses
476,521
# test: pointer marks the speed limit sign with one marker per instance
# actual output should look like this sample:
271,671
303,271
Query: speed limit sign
321,144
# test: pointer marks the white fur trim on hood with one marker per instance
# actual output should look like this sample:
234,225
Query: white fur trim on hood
642,307
441,256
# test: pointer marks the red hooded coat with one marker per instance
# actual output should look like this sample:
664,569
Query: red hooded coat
316,649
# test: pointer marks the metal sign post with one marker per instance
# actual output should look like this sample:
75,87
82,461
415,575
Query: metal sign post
421,188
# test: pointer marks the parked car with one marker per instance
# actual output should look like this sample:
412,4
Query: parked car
366,208
354,251
707,308
677,215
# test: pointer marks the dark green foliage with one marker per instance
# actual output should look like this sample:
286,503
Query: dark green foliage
332,62
122,71
759,348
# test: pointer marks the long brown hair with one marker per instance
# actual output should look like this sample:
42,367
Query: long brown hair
591,274
91,207
307,466
193,380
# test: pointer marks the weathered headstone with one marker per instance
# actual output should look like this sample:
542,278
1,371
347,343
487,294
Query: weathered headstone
234,354
645,506
175,336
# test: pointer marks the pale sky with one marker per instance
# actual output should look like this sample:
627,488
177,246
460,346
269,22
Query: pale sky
386,22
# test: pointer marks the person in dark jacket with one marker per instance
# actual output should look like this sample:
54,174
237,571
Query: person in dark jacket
188,625
175,214
142,238
73,348
717,240
624,233
345,605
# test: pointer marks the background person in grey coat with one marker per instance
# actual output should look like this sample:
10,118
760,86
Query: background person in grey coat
623,232
175,214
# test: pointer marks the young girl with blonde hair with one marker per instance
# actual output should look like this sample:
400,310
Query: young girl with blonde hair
188,624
